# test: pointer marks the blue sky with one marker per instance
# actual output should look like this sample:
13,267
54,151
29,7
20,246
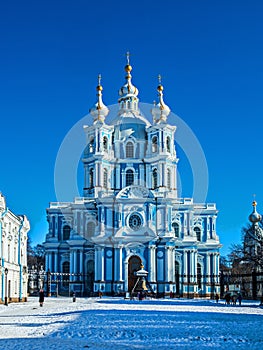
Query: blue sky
210,54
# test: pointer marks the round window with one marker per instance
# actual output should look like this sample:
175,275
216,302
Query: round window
135,222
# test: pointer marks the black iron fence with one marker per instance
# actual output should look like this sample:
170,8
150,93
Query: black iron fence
249,285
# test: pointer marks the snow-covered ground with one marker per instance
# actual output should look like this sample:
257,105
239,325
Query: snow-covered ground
114,323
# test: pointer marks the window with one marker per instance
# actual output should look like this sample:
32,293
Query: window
169,178
105,178
66,233
8,253
155,178
198,233
90,229
154,144
105,144
129,150
91,178
168,144
176,228
91,145
15,257
129,177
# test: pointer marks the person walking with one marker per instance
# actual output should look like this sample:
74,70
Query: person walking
239,298
41,297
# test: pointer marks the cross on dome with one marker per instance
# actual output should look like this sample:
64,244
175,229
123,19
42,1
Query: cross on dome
99,111
160,111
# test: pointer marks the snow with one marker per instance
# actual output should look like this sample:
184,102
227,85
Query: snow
115,323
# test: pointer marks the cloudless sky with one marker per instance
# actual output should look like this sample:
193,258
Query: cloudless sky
210,55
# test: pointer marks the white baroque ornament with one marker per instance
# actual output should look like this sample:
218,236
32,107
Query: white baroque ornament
134,192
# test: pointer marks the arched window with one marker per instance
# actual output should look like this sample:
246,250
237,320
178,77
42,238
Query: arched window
155,178
169,178
105,178
66,233
90,229
105,144
198,233
168,144
91,145
154,144
129,177
91,178
176,229
129,150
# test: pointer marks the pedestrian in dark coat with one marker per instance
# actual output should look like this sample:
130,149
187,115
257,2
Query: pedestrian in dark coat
41,297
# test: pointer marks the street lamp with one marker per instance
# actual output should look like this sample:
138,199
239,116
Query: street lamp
6,273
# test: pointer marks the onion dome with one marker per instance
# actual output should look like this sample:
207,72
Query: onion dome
160,111
99,111
255,217
128,92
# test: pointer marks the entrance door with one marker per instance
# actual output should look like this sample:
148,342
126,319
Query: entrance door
89,278
134,265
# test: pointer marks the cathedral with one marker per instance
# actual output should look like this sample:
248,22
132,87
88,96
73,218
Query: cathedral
130,216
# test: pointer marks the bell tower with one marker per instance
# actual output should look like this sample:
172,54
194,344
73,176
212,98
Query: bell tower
98,152
161,153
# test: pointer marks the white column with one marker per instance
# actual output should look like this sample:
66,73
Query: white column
97,175
185,266
97,255
71,265
217,267
136,177
118,176
152,265
168,263
148,176
208,268
160,175
141,176
173,264
102,264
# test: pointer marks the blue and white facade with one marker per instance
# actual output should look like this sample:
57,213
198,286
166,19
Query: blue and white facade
13,254
130,214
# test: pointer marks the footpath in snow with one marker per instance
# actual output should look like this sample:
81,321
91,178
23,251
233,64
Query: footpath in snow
115,323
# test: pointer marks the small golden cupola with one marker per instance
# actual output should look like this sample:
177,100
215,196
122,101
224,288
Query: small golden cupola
99,111
160,111
128,93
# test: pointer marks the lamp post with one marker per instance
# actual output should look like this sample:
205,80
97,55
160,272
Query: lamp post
6,299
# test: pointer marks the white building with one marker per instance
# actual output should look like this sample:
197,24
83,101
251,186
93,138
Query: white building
130,214
13,254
